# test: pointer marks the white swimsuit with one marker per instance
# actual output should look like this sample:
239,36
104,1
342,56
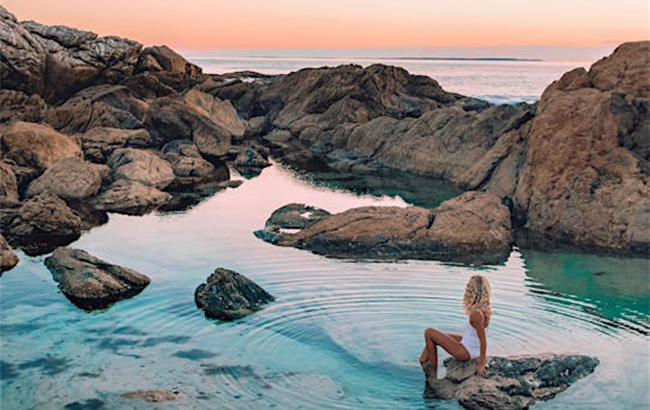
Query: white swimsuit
470,340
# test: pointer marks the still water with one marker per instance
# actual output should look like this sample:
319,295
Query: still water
340,335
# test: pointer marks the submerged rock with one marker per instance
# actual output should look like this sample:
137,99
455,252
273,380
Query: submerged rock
509,383
8,258
91,283
249,162
474,227
227,295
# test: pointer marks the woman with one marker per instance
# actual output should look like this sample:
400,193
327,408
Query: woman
473,342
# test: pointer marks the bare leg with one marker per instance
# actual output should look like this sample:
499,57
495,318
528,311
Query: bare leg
434,338
424,356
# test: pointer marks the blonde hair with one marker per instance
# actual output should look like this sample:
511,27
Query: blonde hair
477,296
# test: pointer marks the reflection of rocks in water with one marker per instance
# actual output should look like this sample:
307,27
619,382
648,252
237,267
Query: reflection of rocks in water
414,189
195,354
89,375
235,371
155,341
115,345
48,365
90,404
616,299
182,201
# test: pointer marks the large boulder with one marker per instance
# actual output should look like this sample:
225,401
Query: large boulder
130,197
99,143
474,227
141,166
91,283
70,178
35,145
509,383
188,165
43,223
227,295
584,176
8,258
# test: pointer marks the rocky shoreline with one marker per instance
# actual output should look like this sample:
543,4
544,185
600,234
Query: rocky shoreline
91,125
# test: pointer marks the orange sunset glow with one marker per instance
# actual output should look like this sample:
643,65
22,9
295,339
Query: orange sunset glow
218,24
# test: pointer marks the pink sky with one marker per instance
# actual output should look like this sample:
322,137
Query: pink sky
218,24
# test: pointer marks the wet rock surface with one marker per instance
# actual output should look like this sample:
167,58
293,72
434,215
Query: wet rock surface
153,396
91,283
472,227
510,383
227,295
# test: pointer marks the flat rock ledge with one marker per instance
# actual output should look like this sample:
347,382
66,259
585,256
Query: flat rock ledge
510,383
227,295
91,283
474,227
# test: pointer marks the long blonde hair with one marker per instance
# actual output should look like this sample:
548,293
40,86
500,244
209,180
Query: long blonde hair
477,296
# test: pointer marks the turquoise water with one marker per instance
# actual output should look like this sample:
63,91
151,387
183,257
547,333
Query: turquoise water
341,334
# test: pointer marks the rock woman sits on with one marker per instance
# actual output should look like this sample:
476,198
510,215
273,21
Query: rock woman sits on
473,342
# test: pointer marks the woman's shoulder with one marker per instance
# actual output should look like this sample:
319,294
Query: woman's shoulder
476,317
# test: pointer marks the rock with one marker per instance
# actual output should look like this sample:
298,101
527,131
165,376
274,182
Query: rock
43,223
22,58
8,185
249,162
141,166
8,258
188,165
510,383
70,178
153,396
91,283
221,112
36,146
227,295
17,105
295,216
130,197
474,227
99,142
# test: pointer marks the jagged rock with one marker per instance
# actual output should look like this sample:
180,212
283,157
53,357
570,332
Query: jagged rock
509,383
130,197
227,295
188,165
99,142
141,166
22,58
42,223
8,258
153,396
473,227
36,146
249,162
91,283
17,105
8,185
70,178
221,112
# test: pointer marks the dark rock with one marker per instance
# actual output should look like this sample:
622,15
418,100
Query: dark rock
8,258
91,283
227,295
188,165
100,142
8,185
510,383
295,216
249,162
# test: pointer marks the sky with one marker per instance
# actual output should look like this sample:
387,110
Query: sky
261,24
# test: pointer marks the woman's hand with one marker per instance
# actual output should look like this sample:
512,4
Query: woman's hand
480,368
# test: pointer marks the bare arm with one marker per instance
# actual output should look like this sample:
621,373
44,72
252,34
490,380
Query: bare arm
477,321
